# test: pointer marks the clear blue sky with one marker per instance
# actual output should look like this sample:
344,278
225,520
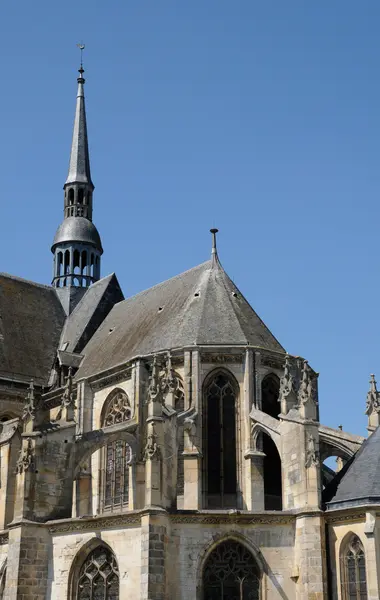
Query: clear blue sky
260,118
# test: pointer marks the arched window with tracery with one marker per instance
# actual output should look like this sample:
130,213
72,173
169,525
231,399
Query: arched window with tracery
353,570
98,577
231,572
220,441
117,456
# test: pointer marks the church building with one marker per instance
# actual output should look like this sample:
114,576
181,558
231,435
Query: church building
166,446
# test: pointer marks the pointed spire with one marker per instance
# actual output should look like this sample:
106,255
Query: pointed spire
79,167
214,252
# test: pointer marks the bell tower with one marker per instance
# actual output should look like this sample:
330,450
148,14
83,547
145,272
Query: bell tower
77,246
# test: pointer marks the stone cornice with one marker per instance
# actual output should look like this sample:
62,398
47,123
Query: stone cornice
233,517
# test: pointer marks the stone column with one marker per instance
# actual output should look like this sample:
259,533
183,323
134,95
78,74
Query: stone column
153,468
25,480
254,476
310,558
155,532
300,463
192,498
82,494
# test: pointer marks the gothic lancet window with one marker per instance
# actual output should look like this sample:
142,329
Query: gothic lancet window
270,390
116,456
353,571
99,576
231,572
220,443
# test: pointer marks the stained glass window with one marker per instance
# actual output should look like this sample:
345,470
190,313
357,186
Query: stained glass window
353,572
231,573
99,576
221,443
116,456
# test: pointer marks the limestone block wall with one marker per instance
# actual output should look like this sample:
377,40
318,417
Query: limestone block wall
125,543
189,544
338,533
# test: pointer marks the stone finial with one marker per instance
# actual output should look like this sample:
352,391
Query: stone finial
372,409
151,450
312,454
286,387
25,460
155,386
29,412
67,409
372,403
170,382
306,394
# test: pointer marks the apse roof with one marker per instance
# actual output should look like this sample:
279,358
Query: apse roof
359,483
199,307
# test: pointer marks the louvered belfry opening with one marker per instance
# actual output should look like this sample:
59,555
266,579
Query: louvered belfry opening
231,573
220,443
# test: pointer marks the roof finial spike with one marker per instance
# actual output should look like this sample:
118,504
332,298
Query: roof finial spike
81,69
214,252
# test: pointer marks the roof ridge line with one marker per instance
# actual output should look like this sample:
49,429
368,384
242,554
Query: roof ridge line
23,280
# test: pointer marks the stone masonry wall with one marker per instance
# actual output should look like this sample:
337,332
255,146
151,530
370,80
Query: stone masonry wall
125,543
190,541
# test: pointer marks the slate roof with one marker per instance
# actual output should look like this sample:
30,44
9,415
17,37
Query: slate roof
89,313
31,321
199,307
359,482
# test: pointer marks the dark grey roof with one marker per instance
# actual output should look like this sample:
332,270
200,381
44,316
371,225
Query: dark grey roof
202,306
79,166
31,321
90,311
359,483
77,229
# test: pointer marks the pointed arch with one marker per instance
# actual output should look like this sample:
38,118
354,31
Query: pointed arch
270,391
116,408
353,568
230,567
220,413
95,563
116,456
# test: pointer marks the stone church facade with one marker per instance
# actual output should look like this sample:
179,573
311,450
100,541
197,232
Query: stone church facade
165,446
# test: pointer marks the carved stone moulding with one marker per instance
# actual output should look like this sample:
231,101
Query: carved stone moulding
273,362
233,519
106,522
221,358
101,382
343,518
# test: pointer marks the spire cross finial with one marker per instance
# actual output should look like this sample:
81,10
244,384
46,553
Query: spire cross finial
81,48
214,232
